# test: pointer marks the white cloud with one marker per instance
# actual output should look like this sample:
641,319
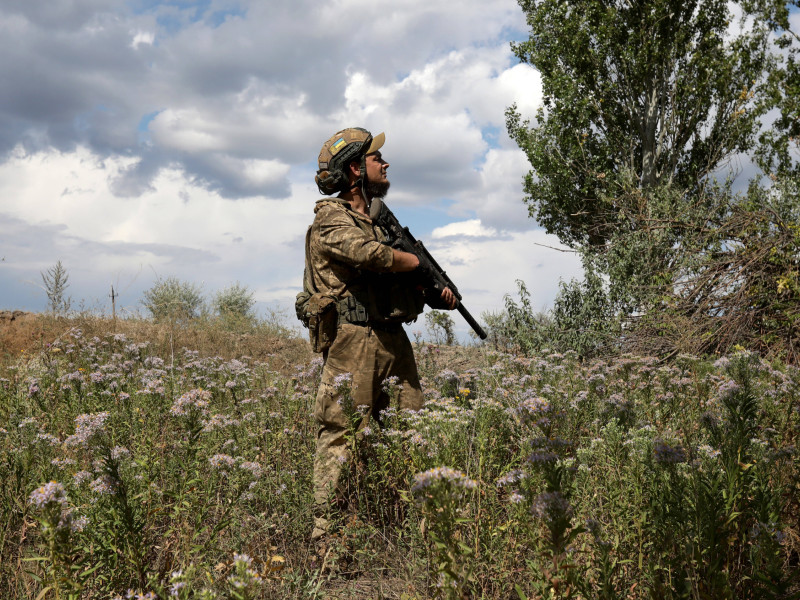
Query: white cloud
471,228
133,131
485,270
177,228
143,38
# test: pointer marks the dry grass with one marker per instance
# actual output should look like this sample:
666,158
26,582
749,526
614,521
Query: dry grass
27,333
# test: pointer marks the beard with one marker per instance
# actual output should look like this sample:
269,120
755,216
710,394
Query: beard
377,189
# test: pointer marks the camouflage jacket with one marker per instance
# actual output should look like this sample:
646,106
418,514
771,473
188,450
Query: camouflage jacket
347,257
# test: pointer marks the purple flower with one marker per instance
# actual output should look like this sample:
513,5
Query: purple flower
551,506
192,401
119,451
668,453
81,477
516,498
103,485
511,477
48,494
253,467
532,410
78,524
708,451
49,439
343,381
220,461
542,457
87,426
437,475
728,388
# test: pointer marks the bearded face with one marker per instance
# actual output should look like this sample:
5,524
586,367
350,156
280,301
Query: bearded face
377,189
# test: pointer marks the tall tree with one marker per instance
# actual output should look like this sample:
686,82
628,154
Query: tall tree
779,151
638,95
647,106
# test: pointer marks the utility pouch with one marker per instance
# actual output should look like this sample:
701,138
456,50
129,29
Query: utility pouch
323,319
300,304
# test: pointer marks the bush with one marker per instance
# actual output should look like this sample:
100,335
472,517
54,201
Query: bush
582,320
171,299
441,326
234,304
56,281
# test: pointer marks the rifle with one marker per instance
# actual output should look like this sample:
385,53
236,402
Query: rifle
400,238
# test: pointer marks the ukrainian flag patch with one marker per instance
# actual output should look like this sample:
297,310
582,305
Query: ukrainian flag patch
337,145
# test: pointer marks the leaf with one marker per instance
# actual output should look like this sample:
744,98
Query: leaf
44,592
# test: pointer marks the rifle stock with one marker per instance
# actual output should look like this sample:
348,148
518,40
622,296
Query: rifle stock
401,238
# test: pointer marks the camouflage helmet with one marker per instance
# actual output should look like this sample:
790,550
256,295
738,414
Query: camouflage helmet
344,146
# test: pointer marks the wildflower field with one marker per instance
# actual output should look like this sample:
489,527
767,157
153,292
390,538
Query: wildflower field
134,470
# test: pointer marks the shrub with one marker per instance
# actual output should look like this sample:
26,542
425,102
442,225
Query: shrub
234,304
441,326
56,281
171,299
582,319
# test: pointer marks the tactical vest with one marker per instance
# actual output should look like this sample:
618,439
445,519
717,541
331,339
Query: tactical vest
371,298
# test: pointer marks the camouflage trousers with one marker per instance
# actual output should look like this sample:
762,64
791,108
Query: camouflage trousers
369,356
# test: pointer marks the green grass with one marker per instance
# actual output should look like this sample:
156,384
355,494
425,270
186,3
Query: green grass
189,476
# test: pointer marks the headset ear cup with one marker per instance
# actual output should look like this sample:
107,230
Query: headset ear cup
329,183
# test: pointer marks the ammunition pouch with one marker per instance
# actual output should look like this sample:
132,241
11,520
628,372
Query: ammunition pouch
352,311
321,316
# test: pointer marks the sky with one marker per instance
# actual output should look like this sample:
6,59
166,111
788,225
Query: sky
147,139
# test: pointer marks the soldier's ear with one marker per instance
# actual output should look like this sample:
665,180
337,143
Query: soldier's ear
355,167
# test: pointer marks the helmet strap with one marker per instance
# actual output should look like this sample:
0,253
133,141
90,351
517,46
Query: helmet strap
361,182
364,177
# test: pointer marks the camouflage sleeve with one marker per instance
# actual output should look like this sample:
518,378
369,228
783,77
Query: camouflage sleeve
341,239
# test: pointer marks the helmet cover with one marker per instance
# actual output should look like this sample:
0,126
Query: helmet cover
338,151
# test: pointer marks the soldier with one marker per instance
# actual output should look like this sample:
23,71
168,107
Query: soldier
358,292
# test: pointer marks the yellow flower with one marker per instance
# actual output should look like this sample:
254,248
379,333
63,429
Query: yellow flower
784,284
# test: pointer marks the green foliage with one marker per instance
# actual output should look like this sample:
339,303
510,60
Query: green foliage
441,326
173,300
777,151
56,282
644,104
582,320
655,90
584,317
234,304
518,326
234,301
543,476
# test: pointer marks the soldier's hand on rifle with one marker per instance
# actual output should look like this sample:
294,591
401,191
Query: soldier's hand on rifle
449,298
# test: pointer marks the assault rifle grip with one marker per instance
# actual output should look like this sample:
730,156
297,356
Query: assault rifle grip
401,238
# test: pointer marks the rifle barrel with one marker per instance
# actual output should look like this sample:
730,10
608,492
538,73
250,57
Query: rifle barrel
389,222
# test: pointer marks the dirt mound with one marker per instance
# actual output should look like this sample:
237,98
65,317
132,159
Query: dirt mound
19,332
7,316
